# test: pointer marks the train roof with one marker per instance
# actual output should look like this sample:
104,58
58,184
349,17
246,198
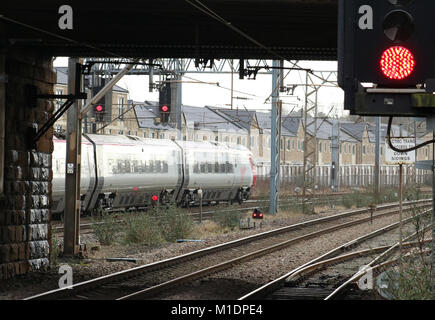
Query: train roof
101,139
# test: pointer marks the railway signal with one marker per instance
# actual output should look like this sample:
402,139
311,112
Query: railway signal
257,214
165,103
99,112
100,107
385,52
154,199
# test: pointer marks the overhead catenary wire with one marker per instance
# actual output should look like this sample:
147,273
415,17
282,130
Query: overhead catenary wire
390,143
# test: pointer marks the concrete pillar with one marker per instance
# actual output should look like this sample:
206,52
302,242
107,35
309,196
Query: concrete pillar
25,202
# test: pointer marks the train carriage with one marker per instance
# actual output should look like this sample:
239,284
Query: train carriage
127,171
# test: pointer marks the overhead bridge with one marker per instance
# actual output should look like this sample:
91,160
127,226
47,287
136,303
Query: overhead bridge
235,29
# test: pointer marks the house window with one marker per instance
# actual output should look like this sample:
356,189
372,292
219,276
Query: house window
162,136
293,144
121,108
320,147
239,140
288,144
353,150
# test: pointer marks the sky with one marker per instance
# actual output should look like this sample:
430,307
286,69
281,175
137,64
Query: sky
254,92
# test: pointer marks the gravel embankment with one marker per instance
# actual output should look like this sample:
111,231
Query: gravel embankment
95,264
235,282
230,284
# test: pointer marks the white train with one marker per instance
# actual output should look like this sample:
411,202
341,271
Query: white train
128,171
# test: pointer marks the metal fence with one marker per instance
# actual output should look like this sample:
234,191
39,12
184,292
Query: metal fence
348,176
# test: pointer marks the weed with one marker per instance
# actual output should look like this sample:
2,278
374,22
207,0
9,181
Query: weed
228,219
174,223
142,229
105,228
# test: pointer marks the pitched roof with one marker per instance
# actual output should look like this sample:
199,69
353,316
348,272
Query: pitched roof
207,118
196,118
242,118
146,112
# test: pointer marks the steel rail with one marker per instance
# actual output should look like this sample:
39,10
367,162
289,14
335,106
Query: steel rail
372,264
224,265
195,215
134,272
314,263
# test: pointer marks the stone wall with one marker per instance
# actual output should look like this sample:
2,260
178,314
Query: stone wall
25,203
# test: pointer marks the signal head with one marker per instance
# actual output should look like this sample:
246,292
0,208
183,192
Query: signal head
397,63
99,108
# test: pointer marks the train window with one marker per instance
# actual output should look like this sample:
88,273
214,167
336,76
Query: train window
223,168
151,166
196,167
135,166
158,166
209,168
127,166
216,167
229,167
165,167
202,168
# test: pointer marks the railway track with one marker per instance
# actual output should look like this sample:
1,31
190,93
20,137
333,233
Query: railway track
148,280
195,215
206,215
327,276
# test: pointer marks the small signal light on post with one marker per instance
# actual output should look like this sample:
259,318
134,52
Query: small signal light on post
165,108
257,214
99,108
155,198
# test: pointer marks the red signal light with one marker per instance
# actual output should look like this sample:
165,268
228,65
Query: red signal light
155,198
257,214
397,63
99,108
165,108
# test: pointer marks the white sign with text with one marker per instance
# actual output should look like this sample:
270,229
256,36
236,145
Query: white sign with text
394,157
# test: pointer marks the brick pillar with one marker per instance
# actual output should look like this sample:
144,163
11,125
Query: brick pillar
25,203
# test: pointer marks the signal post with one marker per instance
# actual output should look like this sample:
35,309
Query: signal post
386,65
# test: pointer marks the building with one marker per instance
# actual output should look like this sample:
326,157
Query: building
119,120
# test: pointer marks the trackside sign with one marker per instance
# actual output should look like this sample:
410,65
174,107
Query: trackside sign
393,157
